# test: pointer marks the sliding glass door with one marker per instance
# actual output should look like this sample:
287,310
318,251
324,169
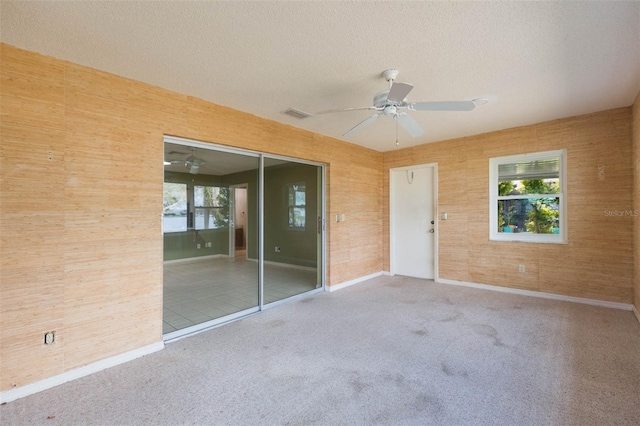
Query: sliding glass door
237,235
292,228
204,280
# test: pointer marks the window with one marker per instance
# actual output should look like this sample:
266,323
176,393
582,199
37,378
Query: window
527,196
211,207
297,206
174,212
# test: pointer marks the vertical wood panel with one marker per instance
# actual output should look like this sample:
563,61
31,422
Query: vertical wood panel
112,242
636,198
32,174
32,90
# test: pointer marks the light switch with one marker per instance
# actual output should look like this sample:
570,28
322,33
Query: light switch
444,216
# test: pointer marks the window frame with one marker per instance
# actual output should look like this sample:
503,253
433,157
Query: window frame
494,164
207,209
292,207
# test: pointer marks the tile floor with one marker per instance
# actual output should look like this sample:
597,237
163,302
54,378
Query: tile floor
200,290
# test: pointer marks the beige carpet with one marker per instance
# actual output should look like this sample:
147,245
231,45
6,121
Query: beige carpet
390,351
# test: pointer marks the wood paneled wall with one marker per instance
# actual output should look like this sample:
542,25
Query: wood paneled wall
636,199
598,261
81,202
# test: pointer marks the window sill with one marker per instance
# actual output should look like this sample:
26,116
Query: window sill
542,239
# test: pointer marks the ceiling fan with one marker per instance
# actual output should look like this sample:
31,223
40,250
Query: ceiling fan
393,102
192,163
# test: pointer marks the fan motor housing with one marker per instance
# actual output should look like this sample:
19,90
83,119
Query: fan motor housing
380,99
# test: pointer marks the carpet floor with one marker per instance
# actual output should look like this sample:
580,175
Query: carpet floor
389,351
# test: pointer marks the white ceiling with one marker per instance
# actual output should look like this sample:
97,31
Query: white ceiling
533,61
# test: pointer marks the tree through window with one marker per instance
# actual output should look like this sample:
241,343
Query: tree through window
297,205
211,207
528,197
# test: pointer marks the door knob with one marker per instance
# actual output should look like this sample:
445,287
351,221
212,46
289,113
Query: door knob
432,222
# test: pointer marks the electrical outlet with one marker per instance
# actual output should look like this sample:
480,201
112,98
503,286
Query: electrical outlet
277,249
207,244
521,268
198,246
49,337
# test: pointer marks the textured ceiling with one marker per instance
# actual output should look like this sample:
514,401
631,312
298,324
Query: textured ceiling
533,61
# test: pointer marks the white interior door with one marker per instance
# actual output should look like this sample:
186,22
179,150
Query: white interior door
412,217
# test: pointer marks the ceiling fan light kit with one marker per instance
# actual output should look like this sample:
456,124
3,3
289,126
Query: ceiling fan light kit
393,101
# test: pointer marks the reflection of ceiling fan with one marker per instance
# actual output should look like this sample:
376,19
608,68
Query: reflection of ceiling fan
192,163
391,102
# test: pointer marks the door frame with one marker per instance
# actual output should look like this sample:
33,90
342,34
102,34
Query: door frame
261,156
392,240
232,213
322,224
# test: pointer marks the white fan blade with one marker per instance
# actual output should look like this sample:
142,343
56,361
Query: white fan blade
442,106
329,111
362,124
399,91
409,124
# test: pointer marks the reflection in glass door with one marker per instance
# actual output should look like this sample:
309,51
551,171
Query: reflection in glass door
292,228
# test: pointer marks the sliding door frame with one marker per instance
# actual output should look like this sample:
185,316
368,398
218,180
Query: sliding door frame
321,264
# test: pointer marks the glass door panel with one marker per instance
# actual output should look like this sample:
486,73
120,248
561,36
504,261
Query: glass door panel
205,277
292,238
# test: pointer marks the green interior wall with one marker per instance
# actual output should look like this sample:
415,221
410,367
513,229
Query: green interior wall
297,247
184,245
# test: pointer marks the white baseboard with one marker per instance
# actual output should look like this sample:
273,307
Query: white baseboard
195,259
635,311
67,376
540,294
284,265
340,286
289,265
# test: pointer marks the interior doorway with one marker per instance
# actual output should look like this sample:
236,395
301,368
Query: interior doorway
239,213
412,216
